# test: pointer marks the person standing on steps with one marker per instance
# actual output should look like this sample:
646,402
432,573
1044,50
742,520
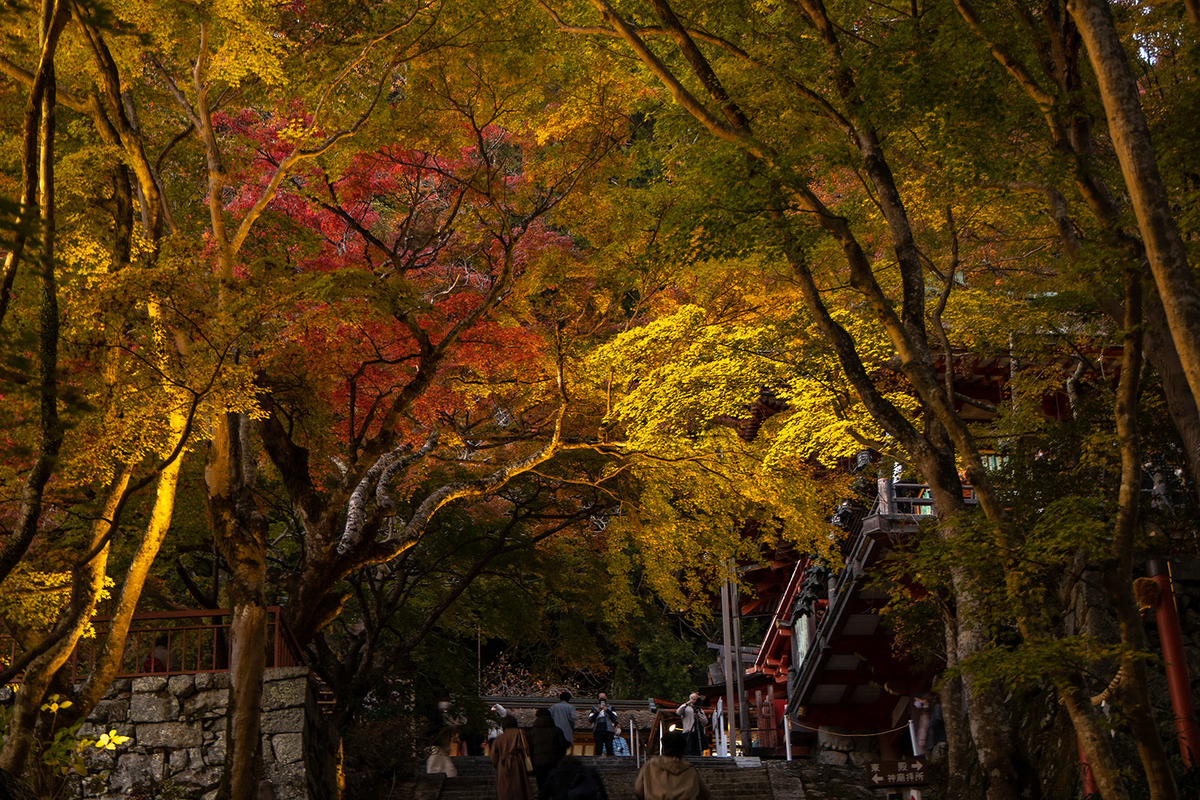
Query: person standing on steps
563,714
604,723
547,746
494,727
694,723
620,746
669,777
508,755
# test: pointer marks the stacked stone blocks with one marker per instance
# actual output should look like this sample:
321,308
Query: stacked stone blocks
177,728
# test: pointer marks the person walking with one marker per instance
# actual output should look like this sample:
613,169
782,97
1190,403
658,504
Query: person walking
494,726
439,757
694,723
669,777
547,746
508,755
604,722
564,717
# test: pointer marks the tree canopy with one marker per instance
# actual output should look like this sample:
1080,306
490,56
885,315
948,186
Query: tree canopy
449,323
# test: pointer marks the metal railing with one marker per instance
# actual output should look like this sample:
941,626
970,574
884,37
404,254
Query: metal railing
910,499
636,748
174,643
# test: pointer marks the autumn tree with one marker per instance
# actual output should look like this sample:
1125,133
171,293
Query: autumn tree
723,70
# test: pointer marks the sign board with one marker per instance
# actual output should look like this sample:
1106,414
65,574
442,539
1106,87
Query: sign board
906,772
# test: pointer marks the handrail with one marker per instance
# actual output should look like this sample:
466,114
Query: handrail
910,499
633,741
175,649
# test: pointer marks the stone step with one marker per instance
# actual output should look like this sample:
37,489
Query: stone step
728,779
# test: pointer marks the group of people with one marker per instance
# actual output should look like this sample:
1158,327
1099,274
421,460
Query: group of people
543,752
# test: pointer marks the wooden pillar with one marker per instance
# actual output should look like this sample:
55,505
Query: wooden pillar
1178,685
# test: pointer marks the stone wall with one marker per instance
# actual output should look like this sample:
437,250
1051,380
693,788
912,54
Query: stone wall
177,725
838,747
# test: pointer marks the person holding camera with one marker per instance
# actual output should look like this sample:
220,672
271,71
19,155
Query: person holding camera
694,723
604,722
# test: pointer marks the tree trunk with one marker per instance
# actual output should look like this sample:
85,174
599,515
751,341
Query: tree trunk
1181,403
957,744
54,17
19,736
1118,569
987,714
240,532
1096,743
85,590
1135,151
109,661
38,190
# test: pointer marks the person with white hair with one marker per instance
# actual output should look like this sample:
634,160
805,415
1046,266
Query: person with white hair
694,722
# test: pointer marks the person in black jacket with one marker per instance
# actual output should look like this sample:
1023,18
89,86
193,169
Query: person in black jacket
573,780
604,722
547,746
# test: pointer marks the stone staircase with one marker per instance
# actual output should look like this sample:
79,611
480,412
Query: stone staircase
727,779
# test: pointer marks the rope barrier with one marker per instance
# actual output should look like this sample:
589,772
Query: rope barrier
850,735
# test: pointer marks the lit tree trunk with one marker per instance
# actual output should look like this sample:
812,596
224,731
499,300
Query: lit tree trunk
108,662
85,590
240,532
1135,152
237,526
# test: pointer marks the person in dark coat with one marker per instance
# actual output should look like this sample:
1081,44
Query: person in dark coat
547,746
573,780
604,722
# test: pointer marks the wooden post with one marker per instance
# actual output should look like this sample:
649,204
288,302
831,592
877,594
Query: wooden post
1178,685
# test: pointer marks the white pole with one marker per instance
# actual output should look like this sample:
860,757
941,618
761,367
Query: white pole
660,735
718,738
787,732
727,641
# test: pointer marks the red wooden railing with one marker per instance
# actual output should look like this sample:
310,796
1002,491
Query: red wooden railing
174,643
